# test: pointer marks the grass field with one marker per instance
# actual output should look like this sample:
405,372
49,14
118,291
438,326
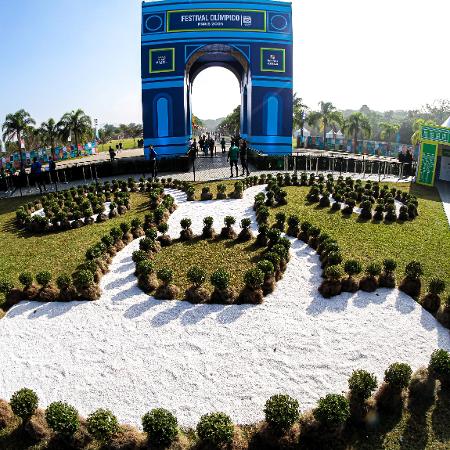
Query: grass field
127,144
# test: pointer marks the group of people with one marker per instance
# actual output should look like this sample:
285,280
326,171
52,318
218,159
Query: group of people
407,159
238,151
113,153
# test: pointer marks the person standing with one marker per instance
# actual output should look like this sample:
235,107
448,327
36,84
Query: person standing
233,157
52,171
112,154
36,174
211,146
153,162
223,144
243,152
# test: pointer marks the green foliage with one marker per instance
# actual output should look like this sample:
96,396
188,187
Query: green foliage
62,418
125,227
163,227
333,272
24,403
274,258
334,258
136,223
185,223
245,223
281,412
389,265
5,286
161,427
102,425
108,241
165,275
63,282
254,278
145,268
362,384
216,429
398,375
83,279
116,233
26,279
151,233
439,364
332,410
266,267
138,256
229,221
414,270
208,221
196,275
220,279
373,269
44,278
436,286
352,267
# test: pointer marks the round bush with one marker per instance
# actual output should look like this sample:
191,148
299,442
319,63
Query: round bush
332,410
216,429
266,267
373,269
280,250
293,221
334,258
6,286
102,425
165,275
398,375
63,282
24,403
436,286
136,223
254,278
62,418
116,233
333,272
83,279
274,258
208,221
220,279
196,275
26,279
144,268
362,384
285,242
352,267
108,241
125,227
185,223
245,223
439,364
163,227
161,426
138,256
151,233
274,234
44,278
414,270
281,412
229,221
389,265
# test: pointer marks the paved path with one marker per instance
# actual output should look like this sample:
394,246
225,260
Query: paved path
444,192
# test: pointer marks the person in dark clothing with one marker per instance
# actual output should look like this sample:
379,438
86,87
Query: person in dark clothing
408,160
195,146
243,152
120,145
112,154
36,174
233,157
153,162
223,144
211,146
52,171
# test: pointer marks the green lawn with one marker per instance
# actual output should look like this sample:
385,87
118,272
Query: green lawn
127,144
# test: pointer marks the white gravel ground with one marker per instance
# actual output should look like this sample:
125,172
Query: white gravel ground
131,353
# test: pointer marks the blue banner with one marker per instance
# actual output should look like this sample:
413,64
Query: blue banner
162,60
273,60
216,20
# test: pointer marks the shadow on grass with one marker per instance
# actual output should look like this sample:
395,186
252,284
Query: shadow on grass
441,415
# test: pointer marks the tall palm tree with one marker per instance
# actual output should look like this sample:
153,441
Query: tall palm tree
416,138
300,111
356,124
326,117
50,132
78,123
388,131
15,126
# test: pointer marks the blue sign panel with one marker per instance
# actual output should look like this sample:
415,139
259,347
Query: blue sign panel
273,60
216,20
153,23
162,60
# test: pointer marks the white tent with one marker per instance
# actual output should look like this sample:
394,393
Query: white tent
446,124
306,133
339,135
332,135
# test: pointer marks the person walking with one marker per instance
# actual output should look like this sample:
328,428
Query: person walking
243,152
36,174
52,172
153,162
211,146
233,157
223,144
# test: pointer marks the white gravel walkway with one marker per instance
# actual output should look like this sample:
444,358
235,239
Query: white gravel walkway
130,353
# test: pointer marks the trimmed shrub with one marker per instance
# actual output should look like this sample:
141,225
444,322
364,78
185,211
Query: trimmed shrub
196,275
414,270
62,418
352,267
6,286
151,233
26,279
161,427
332,410
63,282
144,268
439,365
83,279
220,279
281,412
362,384
44,278
254,278
165,275
229,221
215,429
138,256
398,375
373,269
266,267
436,286
333,272
24,403
102,425
389,265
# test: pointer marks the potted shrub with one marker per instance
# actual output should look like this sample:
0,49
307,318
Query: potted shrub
314,195
149,221
331,286
332,258
103,425
253,293
366,210
387,278
206,194
228,231
161,427
190,192
197,293
136,228
262,238
389,397
303,236
280,221
30,292
275,259
432,301
160,214
268,269
293,226
113,210
274,235
412,284
147,280
186,232
324,201
208,230
352,268
166,290
245,234
63,419
215,430
313,235
270,198
361,385
85,285
369,283
391,215
262,215
444,312
238,190
67,291
332,412
222,293
48,293
281,197
221,191
165,240
403,214
281,413
116,234
24,404
283,253
127,237
439,367
138,256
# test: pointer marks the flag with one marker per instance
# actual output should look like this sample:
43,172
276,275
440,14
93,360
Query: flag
22,144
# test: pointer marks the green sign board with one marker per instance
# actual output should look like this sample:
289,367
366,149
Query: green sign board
436,134
427,164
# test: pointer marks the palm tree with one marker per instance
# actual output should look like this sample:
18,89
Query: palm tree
78,123
357,123
326,117
416,138
388,131
300,111
50,132
14,127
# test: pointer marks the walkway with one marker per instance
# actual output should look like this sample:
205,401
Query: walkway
444,192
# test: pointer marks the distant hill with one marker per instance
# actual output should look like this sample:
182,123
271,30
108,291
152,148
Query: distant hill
212,124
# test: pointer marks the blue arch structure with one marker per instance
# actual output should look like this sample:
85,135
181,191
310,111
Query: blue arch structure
252,39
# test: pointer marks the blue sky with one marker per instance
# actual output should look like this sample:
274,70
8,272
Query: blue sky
58,55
